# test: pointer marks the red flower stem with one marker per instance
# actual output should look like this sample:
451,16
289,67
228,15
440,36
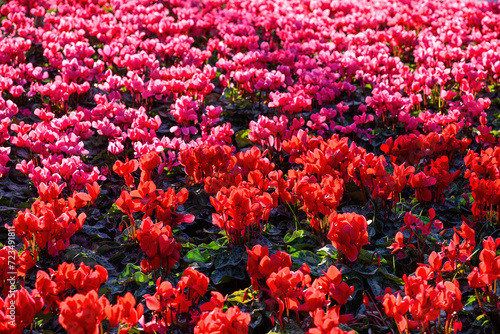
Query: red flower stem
479,301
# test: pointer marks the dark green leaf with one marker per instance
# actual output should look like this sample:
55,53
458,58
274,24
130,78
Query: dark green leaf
77,254
227,274
231,257
308,257
129,271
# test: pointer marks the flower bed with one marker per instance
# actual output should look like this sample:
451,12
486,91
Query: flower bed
256,166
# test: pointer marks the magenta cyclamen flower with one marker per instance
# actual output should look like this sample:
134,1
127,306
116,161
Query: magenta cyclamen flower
210,118
268,132
184,112
4,158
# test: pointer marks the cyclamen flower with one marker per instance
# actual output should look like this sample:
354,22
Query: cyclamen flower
397,307
216,301
26,306
184,112
260,265
318,123
158,244
49,224
327,323
332,284
83,313
233,321
4,158
421,183
270,81
23,263
220,135
240,211
286,287
210,118
168,163
115,147
85,279
348,233
290,104
108,52
399,245
124,312
55,286
268,132
126,169
168,301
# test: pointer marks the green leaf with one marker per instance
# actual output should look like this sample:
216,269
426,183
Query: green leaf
231,258
77,254
141,278
299,247
113,287
327,250
6,209
481,321
198,255
256,320
212,246
293,329
308,257
370,257
145,289
108,246
392,277
237,296
227,274
272,230
241,138
295,235
378,283
134,330
94,233
356,281
129,272
365,269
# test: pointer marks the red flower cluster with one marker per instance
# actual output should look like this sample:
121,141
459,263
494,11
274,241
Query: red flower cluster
147,198
13,266
423,301
158,243
52,220
84,313
240,211
18,310
489,267
484,178
371,104
260,265
293,291
233,321
56,286
206,160
348,233
169,303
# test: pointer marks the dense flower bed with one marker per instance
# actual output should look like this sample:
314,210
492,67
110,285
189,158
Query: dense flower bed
209,166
